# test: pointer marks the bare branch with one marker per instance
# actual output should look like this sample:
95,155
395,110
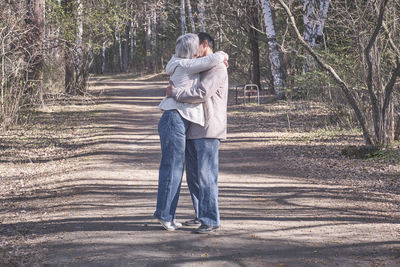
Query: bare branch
332,72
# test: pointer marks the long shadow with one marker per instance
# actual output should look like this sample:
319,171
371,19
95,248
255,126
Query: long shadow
248,252
255,202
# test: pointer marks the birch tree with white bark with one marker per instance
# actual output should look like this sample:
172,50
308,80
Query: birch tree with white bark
201,8
274,57
189,8
183,17
147,30
132,36
314,22
154,50
380,86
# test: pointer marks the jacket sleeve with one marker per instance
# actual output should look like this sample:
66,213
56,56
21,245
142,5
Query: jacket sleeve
209,84
197,65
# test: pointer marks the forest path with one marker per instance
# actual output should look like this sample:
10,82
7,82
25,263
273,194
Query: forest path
101,213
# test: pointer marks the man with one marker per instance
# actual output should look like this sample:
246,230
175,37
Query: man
203,142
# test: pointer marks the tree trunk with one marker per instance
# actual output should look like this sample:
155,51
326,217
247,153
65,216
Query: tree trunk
126,46
154,51
202,22
76,72
57,37
189,7
120,60
309,32
149,67
183,17
164,19
323,15
35,38
79,62
314,23
69,56
254,47
273,50
133,42
309,22
103,57
397,130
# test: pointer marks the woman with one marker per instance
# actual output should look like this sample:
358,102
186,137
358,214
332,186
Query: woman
175,122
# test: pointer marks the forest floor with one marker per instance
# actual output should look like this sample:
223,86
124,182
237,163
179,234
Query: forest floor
78,186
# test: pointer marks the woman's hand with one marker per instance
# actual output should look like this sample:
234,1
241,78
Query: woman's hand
226,58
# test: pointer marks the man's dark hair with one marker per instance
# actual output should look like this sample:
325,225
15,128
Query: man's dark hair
203,36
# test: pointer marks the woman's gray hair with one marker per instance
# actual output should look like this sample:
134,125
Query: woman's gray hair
187,45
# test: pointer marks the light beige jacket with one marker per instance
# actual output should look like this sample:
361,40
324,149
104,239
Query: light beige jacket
185,74
212,91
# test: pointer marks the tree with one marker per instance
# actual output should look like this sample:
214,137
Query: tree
183,17
273,50
379,105
253,40
189,7
75,54
149,64
35,39
314,23
202,22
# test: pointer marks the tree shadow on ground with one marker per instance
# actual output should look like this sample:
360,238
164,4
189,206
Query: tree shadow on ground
262,197
138,235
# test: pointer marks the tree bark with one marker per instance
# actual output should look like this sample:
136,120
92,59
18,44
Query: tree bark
76,71
126,46
133,43
274,59
309,22
35,38
253,40
103,56
80,83
201,8
397,130
378,114
154,50
183,17
323,15
149,66
314,23
120,60
189,7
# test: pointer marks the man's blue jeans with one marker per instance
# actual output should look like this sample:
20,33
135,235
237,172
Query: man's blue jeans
202,178
172,129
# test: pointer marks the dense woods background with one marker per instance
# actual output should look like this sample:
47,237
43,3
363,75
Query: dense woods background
343,53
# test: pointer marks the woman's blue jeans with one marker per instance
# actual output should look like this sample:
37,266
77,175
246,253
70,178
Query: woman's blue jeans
172,129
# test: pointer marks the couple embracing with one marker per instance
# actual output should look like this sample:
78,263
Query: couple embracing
190,129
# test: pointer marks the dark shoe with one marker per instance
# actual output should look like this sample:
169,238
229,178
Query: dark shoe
205,229
192,222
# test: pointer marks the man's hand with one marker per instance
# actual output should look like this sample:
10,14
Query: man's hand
170,88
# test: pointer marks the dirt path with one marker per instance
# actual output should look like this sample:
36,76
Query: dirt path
100,213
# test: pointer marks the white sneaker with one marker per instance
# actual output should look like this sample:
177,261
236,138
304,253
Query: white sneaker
176,224
169,226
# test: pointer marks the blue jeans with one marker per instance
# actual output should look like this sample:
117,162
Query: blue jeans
202,178
172,129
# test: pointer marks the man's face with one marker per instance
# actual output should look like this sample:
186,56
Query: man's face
201,51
